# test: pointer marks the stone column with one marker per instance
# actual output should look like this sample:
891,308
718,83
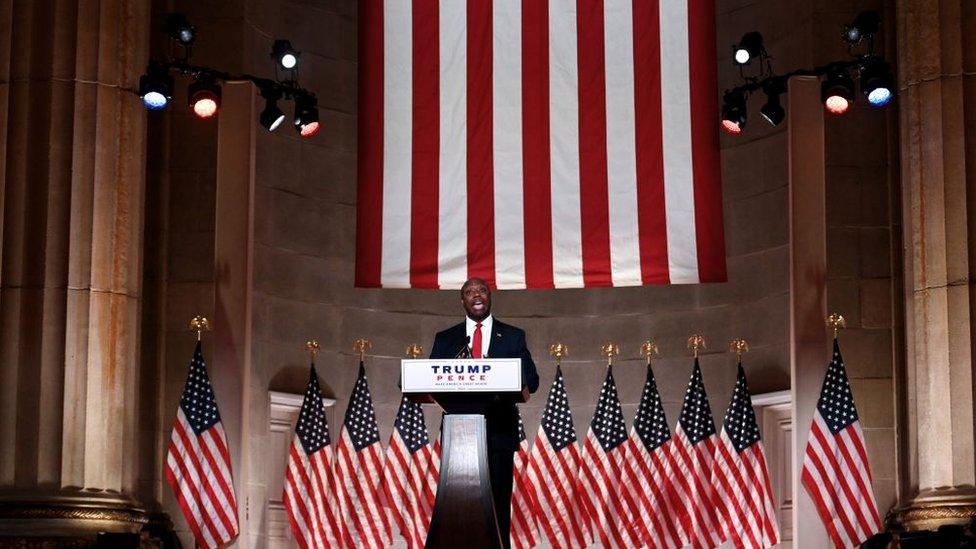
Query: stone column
72,173
937,103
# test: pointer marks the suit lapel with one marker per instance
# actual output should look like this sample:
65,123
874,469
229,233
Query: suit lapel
494,344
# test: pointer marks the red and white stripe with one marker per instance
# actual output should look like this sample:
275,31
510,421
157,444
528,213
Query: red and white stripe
524,534
557,143
608,500
309,497
837,477
410,486
691,477
744,495
652,488
360,495
559,510
198,470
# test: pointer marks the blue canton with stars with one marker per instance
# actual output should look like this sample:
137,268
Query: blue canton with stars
608,420
696,414
410,424
360,420
836,403
650,423
557,420
740,419
521,429
198,402
312,428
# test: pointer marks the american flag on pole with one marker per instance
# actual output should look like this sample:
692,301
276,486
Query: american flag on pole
836,472
653,462
553,469
605,474
552,143
410,474
694,450
524,534
198,463
744,496
309,494
359,472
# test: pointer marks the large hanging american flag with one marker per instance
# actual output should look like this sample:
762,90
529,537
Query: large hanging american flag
652,460
557,143
744,497
410,474
694,450
198,463
836,472
554,464
359,472
309,494
604,474
524,534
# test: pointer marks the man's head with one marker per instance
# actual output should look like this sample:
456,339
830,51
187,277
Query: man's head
476,298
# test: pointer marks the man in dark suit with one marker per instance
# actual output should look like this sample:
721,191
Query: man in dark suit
480,335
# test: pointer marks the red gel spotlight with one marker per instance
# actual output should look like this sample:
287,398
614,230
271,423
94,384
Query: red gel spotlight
205,108
731,127
310,129
836,104
204,96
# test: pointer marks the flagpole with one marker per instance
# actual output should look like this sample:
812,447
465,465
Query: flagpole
414,350
648,349
696,343
609,349
738,346
836,322
361,346
199,324
312,348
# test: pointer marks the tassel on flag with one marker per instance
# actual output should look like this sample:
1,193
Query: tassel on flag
836,472
309,494
524,534
411,473
744,496
198,464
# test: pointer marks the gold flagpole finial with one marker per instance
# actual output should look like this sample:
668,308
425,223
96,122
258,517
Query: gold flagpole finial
696,343
648,350
361,346
199,324
738,346
558,350
609,349
836,322
312,347
414,350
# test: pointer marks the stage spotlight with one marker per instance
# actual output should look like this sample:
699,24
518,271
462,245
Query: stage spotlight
156,87
306,115
733,113
204,96
179,29
837,92
749,47
865,25
272,116
284,54
773,111
877,83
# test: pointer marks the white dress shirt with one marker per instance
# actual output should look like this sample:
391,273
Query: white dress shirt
469,326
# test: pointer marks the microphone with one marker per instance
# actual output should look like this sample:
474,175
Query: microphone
465,352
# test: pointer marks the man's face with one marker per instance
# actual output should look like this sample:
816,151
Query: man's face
476,298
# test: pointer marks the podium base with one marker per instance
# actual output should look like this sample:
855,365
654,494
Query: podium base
464,511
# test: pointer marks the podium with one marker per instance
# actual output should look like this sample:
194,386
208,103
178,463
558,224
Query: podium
464,510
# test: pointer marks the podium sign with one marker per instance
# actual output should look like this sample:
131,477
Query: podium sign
461,375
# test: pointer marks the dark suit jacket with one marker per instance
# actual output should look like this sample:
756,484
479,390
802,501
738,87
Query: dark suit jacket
507,341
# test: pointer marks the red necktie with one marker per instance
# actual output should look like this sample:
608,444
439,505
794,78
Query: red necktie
476,341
